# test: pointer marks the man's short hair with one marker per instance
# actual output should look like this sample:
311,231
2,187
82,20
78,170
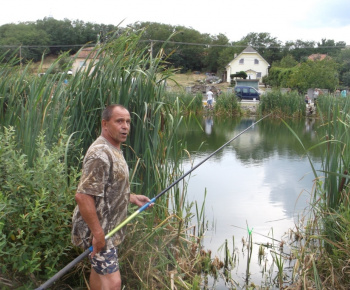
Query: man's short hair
108,111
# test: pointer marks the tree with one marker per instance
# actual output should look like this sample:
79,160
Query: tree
24,34
187,56
286,62
345,79
184,49
329,47
343,59
299,49
228,53
218,44
315,74
67,35
269,47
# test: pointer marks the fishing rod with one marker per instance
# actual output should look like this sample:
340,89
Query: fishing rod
141,209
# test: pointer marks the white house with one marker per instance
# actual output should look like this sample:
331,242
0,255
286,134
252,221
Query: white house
249,61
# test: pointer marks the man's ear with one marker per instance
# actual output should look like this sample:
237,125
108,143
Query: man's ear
103,124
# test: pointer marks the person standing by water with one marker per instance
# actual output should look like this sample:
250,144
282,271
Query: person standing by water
102,197
210,99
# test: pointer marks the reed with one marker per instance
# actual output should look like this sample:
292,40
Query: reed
227,105
68,115
282,104
189,103
323,247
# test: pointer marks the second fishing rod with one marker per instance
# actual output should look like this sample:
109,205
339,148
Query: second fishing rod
141,209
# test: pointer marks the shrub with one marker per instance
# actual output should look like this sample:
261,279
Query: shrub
36,208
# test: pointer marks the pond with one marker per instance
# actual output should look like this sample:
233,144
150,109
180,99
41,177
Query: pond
261,182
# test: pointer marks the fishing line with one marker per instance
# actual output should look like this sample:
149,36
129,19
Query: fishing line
141,209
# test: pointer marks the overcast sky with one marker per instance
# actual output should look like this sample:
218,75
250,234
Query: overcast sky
308,20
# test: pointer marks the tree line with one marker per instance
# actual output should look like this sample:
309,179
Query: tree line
185,48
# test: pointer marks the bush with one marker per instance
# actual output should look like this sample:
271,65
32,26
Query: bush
36,208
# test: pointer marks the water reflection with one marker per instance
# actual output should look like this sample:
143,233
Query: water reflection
208,124
262,178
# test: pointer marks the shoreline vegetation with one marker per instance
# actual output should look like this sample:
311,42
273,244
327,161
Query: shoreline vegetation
47,123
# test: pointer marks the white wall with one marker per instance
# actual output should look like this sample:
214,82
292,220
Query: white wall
249,64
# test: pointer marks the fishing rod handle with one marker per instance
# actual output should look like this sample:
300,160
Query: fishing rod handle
145,206
65,269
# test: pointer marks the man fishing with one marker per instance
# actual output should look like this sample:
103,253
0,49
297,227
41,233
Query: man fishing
102,197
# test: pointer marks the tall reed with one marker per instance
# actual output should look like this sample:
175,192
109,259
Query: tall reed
282,104
47,107
227,104
322,258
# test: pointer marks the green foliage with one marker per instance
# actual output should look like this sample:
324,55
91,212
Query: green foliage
227,104
283,104
269,47
315,74
35,157
227,54
279,77
36,208
325,244
17,35
345,79
287,61
343,59
299,49
324,46
218,43
66,34
213,55
189,103
241,74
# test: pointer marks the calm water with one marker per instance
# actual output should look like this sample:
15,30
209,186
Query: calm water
262,179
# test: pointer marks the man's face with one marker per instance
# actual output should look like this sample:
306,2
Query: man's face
116,130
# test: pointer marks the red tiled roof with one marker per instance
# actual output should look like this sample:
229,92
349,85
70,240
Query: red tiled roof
317,56
86,53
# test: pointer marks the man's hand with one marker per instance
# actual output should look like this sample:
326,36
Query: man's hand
98,242
140,200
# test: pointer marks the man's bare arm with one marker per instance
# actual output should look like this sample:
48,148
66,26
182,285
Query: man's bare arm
87,209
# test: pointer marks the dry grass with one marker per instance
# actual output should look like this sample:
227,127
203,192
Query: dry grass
187,80
191,79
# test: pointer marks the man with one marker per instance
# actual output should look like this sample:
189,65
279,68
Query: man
210,98
103,195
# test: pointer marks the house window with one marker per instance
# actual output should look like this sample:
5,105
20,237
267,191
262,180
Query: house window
256,61
241,61
258,75
82,63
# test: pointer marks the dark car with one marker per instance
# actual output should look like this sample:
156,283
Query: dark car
247,93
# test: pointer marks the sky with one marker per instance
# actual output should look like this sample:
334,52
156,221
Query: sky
307,20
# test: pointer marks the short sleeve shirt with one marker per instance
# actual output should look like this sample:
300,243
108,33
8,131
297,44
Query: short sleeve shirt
209,95
105,176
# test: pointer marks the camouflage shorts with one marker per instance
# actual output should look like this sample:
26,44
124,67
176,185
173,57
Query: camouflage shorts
105,262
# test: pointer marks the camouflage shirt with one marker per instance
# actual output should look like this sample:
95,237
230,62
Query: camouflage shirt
105,176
